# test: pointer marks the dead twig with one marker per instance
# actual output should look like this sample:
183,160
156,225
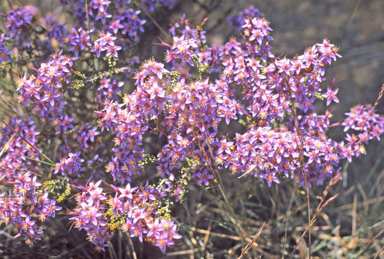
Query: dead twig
249,245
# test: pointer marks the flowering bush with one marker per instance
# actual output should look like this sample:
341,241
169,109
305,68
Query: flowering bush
180,102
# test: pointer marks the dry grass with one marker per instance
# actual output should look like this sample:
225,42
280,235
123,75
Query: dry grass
349,226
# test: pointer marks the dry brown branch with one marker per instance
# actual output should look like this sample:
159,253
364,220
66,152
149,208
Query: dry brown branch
249,245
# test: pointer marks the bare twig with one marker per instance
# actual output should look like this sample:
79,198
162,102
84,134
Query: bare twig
369,243
249,245
381,250
319,208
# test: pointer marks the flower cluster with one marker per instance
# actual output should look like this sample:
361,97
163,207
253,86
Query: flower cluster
87,134
4,53
44,92
129,23
108,89
78,40
256,32
55,30
63,123
19,21
131,122
19,154
26,208
366,124
106,43
47,93
183,28
70,166
183,101
132,209
183,49
238,20
121,19
26,205
117,20
271,93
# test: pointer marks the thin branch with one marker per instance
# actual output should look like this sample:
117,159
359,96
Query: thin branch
302,164
249,245
381,250
319,208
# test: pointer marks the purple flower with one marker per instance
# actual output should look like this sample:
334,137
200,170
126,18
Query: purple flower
270,177
4,54
66,123
112,50
115,26
331,95
102,15
98,47
100,5
162,241
204,177
127,191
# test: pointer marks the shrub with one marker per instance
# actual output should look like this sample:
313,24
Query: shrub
168,127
